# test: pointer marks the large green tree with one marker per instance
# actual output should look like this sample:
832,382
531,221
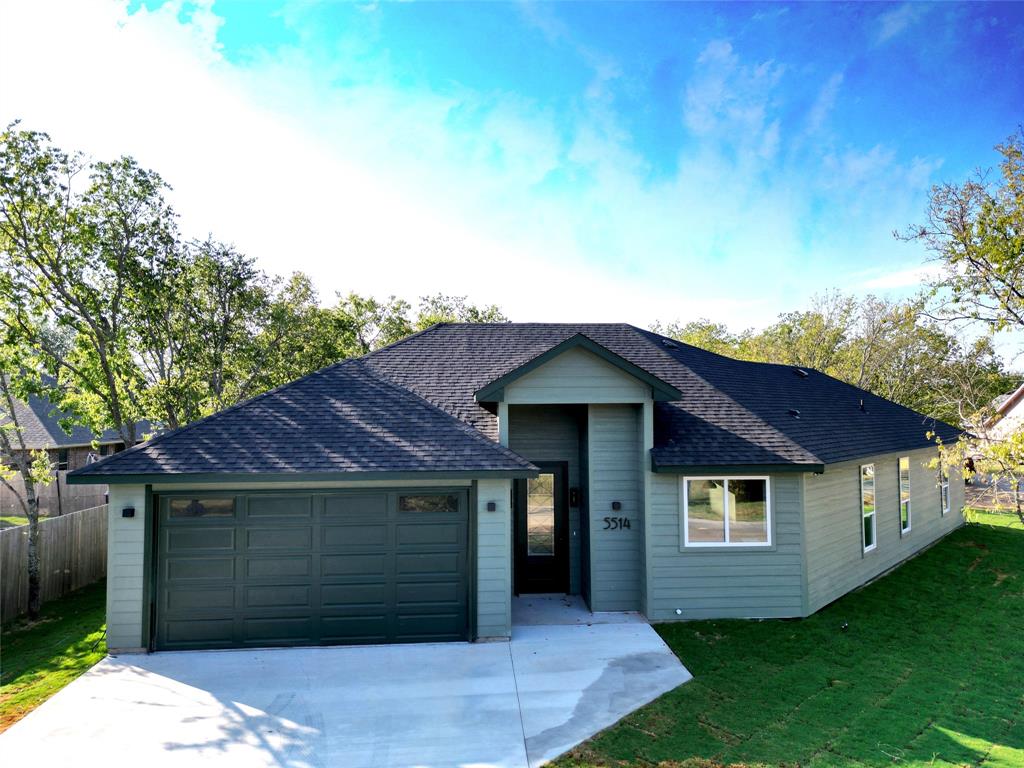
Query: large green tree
974,231
82,254
891,348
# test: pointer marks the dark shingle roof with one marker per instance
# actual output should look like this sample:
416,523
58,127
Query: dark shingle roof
732,411
411,407
40,419
343,418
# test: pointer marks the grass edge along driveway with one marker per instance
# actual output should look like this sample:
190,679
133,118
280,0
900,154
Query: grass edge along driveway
930,672
37,659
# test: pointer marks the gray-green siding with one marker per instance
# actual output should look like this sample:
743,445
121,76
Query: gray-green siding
616,556
728,582
552,433
836,562
126,558
494,560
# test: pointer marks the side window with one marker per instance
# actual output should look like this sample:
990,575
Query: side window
943,489
62,459
726,511
904,494
867,505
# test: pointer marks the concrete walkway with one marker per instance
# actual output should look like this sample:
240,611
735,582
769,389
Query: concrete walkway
493,704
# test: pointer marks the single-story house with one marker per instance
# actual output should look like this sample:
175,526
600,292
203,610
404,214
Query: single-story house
410,494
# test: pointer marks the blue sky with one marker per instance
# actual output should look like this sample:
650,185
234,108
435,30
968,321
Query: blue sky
633,162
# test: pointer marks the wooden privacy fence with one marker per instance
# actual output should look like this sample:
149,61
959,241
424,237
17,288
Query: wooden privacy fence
57,498
72,554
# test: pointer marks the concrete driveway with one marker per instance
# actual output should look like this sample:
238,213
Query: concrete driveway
471,705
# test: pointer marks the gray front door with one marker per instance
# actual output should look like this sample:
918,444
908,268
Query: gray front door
254,569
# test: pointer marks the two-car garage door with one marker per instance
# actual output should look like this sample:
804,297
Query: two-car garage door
311,568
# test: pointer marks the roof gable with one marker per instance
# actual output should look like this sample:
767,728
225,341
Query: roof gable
494,391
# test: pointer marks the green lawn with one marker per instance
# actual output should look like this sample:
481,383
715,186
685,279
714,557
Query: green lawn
930,672
37,660
12,521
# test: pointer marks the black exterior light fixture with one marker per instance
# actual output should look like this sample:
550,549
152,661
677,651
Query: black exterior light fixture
128,512
492,506
616,506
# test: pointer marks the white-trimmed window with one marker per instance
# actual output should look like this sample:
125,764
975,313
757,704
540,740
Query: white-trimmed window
726,512
904,494
943,489
867,506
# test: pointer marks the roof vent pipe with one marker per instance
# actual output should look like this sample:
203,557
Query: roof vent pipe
794,413
862,408
801,373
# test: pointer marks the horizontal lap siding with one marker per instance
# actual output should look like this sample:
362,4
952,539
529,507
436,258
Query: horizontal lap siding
836,562
723,583
616,556
126,555
494,559
577,376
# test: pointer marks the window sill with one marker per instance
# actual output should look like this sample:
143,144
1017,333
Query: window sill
718,549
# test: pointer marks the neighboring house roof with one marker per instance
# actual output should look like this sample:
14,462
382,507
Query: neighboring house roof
1007,403
414,406
40,419
344,418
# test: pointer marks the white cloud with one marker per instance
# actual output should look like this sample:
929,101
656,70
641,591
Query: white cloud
912,277
892,23
385,189
825,102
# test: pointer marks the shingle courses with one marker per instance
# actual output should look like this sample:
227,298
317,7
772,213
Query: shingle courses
344,418
410,406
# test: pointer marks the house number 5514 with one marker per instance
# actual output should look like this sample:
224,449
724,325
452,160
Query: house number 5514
616,524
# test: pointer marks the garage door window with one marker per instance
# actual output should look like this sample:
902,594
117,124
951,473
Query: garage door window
192,508
428,503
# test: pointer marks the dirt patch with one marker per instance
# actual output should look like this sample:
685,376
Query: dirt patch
1001,576
973,545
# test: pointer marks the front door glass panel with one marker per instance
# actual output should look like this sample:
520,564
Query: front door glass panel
540,515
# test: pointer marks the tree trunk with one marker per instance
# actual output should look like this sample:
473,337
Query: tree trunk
34,582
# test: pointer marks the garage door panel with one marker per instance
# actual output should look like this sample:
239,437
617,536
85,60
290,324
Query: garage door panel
284,507
339,630
376,564
258,539
195,632
444,593
430,564
432,534
355,595
353,537
200,599
282,566
278,596
425,627
373,507
196,568
205,539
307,568
274,630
